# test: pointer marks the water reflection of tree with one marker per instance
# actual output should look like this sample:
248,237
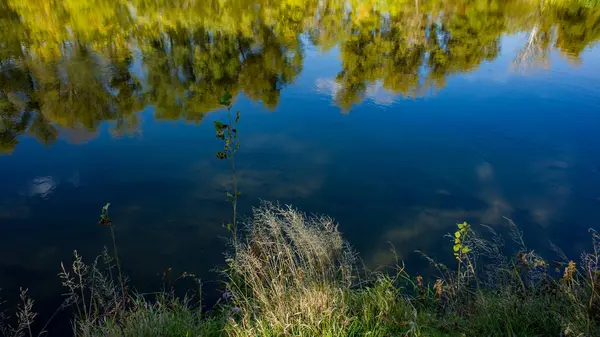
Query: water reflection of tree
189,71
413,51
72,64
78,91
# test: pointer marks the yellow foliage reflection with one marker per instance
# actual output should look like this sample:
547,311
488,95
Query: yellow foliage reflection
73,64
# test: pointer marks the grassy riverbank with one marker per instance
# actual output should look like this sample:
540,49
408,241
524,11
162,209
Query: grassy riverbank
293,275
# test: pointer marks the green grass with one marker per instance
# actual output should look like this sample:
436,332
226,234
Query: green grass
162,317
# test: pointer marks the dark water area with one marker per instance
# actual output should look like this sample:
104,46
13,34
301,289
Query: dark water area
398,120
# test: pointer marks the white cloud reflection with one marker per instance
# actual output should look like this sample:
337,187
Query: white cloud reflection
42,187
375,92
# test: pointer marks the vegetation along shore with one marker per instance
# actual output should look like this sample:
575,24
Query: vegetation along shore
290,274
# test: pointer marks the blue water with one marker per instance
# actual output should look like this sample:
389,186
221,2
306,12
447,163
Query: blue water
494,142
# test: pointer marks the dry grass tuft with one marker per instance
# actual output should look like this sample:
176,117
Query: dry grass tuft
290,273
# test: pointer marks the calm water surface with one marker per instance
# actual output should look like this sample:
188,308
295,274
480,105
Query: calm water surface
397,120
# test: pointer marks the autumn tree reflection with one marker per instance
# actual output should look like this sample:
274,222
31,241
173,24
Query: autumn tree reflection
72,65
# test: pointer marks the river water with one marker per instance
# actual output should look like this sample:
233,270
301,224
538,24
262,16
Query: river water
398,120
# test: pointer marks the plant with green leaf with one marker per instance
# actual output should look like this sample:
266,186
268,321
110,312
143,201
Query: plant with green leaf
460,236
461,249
228,133
107,222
